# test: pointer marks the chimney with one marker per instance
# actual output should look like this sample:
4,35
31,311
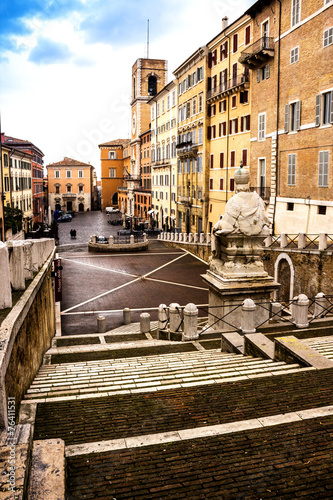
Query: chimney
225,23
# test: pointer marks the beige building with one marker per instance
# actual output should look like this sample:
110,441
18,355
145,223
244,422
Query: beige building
228,112
21,185
71,186
192,181
163,157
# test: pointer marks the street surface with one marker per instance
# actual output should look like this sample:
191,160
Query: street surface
104,284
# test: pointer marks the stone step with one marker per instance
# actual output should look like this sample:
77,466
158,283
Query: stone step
147,373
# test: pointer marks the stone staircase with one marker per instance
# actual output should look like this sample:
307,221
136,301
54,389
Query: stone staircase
132,414
324,345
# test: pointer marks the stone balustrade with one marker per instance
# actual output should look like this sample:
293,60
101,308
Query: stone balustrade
20,261
301,241
191,238
180,323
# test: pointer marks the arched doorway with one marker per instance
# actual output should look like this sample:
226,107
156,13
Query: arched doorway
81,207
284,274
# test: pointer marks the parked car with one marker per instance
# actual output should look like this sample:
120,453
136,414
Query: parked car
65,218
112,210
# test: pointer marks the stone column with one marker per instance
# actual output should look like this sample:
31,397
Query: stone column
190,238
111,240
202,238
320,306
126,316
16,264
175,317
190,322
322,241
248,316
132,239
93,238
176,237
101,324
284,240
208,238
300,311
162,317
196,238
145,323
276,311
301,241
185,238
180,236
5,291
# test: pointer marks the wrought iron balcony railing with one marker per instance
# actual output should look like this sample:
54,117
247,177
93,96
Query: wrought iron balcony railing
258,52
234,83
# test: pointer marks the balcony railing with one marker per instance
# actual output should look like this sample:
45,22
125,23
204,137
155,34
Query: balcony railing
187,200
187,150
129,177
235,83
258,52
263,192
68,196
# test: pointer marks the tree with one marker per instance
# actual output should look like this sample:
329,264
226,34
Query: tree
13,219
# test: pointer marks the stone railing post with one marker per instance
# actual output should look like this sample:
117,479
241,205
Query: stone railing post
300,311
111,241
190,322
132,239
284,240
196,238
180,237
276,309
172,236
126,316
145,323
185,239
208,238
190,238
5,291
144,237
93,238
322,241
162,317
202,238
101,324
175,317
320,306
248,316
301,241
268,241
176,237
16,261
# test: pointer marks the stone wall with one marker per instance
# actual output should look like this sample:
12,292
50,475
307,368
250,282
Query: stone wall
25,335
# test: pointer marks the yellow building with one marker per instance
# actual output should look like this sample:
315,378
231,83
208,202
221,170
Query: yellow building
163,157
112,170
70,185
228,112
192,193
4,187
21,185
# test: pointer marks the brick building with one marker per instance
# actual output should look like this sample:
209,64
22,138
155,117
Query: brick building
291,114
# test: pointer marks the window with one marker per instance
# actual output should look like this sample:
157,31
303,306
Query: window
173,98
244,97
292,170
80,174
290,207
221,160
234,101
235,43
200,133
69,188
321,210
211,161
57,174
245,123
68,174
200,103
324,108
323,169
295,12
199,164
80,188
112,172
263,73
163,110
262,175
328,37
244,156
224,51
222,129
232,184
232,158
223,106
57,189
294,55
233,126
221,184
211,184
112,155
292,116
261,126
194,105
247,35
152,85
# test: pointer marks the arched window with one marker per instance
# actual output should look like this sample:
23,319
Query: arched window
152,85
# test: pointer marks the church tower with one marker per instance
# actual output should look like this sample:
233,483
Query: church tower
149,76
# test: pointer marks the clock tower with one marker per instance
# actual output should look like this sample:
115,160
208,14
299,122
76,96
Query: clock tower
149,76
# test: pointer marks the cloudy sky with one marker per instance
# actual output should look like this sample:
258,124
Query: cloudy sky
65,65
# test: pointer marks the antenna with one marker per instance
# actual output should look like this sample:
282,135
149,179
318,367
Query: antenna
148,39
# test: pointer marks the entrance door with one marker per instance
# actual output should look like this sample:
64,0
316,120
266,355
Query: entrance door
188,222
69,206
81,207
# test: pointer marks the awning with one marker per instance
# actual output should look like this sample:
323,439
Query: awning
150,212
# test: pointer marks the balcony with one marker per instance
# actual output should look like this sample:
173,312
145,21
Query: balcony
186,200
187,150
258,53
235,84
69,196
263,192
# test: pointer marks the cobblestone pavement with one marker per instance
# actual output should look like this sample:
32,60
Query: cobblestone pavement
86,224
95,284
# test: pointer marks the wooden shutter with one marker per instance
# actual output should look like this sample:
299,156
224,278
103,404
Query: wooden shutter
248,122
286,118
232,159
209,132
318,106
221,160
236,125
232,184
211,161
221,184
247,35
220,129
331,117
242,123
298,115
267,71
258,75
224,128
244,156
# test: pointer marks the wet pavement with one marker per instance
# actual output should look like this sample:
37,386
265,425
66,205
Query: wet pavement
104,284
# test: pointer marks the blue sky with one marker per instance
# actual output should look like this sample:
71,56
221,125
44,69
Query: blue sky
65,65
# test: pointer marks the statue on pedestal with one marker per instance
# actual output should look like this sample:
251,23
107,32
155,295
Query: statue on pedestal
237,239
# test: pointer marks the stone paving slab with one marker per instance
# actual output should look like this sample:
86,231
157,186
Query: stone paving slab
286,462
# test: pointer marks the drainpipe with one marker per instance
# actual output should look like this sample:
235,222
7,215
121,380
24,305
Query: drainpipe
228,126
277,121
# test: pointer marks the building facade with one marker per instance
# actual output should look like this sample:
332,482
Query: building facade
192,179
228,112
70,185
291,114
142,193
164,157
112,171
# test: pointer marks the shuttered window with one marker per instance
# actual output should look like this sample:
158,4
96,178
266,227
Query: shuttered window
221,160
323,168
292,170
261,126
